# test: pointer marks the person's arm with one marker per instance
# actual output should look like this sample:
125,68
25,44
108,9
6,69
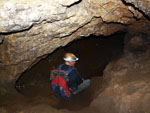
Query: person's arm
74,79
78,78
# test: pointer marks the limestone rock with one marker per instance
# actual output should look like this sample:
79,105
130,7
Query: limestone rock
1,38
143,5
2,110
67,2
21,15
127,87
34,29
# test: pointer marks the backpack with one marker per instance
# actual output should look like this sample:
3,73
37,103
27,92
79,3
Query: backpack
59,79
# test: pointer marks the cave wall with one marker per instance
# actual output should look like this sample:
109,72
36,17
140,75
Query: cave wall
126,87
30,30
142,5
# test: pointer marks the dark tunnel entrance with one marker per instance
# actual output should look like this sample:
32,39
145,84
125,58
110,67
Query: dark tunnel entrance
94,54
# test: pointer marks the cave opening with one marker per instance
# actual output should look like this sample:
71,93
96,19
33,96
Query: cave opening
94,53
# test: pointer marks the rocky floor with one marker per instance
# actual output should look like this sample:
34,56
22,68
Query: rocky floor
42,96
125,87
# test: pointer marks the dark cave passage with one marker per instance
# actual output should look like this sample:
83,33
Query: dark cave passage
94,54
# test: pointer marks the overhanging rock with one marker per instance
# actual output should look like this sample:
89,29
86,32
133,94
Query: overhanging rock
33,29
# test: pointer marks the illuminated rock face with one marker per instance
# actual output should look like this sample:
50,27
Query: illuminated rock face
142,5
29,30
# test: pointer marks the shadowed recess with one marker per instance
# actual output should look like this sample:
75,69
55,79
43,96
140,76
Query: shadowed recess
94,54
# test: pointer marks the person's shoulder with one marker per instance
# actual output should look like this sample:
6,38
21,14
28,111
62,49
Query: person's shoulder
64,67
60,66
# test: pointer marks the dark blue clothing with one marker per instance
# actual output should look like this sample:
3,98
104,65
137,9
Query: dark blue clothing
74,77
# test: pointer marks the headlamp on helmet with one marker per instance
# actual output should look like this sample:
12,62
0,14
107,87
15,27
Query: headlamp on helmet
70,57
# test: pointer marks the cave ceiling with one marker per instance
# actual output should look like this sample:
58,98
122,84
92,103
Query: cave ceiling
30,30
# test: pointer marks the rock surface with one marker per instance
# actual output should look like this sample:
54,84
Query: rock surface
142,5
33,29
1,38
127,87
30,30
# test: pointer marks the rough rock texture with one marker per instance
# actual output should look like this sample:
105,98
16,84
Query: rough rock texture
142,5
21,15
1,38
33,29
127,87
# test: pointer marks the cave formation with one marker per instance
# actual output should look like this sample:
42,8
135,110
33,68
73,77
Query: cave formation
111,38
91,64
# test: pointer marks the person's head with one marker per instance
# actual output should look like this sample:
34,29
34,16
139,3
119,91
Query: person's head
70,59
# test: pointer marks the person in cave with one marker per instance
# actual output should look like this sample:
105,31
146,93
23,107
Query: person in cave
75,83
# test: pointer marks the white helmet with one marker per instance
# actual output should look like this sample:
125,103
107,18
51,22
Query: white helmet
70,57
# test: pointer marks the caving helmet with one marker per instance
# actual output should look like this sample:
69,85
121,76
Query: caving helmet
70,57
